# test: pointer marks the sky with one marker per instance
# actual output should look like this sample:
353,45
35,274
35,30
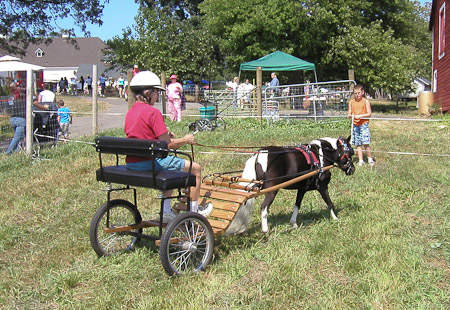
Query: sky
118,15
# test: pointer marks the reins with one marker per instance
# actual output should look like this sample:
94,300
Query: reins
238,149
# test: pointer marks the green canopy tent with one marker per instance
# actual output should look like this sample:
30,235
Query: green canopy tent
278,61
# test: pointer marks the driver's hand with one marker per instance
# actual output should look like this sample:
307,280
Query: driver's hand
190,139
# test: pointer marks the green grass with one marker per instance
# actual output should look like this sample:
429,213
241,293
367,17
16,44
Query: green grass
389,249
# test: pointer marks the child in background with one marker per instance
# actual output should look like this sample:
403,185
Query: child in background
64,118
359,110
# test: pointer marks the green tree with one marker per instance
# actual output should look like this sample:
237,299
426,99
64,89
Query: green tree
166,40
380,61
23,22
251,29
321,32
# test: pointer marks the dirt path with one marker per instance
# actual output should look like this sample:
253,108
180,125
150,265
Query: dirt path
114,117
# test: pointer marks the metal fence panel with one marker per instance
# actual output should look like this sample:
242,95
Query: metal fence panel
12,106
308,100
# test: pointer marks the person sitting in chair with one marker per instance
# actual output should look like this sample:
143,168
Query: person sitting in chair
144,121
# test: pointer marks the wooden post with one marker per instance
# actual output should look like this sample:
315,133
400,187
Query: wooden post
351,77
163,95
29,114
196,94
131,98
259,92
94,99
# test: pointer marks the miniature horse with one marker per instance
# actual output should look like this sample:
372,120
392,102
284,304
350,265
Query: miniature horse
275,165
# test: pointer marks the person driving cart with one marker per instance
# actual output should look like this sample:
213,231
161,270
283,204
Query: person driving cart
144,121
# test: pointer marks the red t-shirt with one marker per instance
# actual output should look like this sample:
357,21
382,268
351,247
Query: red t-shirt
143,121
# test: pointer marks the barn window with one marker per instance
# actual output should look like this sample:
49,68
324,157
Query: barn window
39,53
442,31
435,81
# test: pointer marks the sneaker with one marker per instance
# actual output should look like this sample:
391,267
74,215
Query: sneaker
206,209
371,161
169,216
361,163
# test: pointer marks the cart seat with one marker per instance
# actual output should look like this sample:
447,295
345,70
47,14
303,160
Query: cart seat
162,180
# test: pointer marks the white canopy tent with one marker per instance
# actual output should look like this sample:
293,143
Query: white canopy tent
54,74
9,58
14,66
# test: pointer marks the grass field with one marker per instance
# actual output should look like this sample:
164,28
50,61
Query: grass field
390,248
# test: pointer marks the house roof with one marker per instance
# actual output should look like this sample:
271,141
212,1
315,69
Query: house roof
62,53
423,81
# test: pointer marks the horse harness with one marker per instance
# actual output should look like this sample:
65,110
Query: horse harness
310,156
312,160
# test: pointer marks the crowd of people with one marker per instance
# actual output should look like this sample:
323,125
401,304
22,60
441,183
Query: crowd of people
75,85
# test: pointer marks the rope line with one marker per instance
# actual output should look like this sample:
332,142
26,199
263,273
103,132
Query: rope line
241,152
324,116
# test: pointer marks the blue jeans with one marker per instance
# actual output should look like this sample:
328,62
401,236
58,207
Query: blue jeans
18,125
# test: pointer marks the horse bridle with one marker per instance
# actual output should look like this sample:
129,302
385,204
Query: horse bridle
346,155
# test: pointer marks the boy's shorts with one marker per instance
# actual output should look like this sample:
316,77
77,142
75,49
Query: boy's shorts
168,163
361,135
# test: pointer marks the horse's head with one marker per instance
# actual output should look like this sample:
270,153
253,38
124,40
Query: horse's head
345,153
339,152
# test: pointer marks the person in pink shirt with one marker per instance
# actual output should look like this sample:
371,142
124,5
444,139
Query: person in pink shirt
136,70
174,92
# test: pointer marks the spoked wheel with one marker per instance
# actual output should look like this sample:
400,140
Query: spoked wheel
220,123
186,244
117,213
203,124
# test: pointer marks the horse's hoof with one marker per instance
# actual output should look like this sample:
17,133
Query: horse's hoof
333,215
294,225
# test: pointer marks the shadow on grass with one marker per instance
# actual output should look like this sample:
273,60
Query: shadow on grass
254,235
225,245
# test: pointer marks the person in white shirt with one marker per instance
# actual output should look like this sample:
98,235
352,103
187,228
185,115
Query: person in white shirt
234,86
45,110
73,84
246,90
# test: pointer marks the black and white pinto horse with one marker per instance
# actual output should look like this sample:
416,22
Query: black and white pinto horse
275,165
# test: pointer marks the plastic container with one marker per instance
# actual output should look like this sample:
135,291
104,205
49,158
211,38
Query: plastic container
426,99
207,112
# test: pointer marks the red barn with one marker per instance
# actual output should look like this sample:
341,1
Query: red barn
440,9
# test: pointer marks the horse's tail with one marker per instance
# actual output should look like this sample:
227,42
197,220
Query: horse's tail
242,218
249,172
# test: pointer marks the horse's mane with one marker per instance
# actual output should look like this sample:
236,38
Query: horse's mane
332,141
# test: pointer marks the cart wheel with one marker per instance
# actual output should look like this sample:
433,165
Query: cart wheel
186,244
203,124
220,123
118,213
